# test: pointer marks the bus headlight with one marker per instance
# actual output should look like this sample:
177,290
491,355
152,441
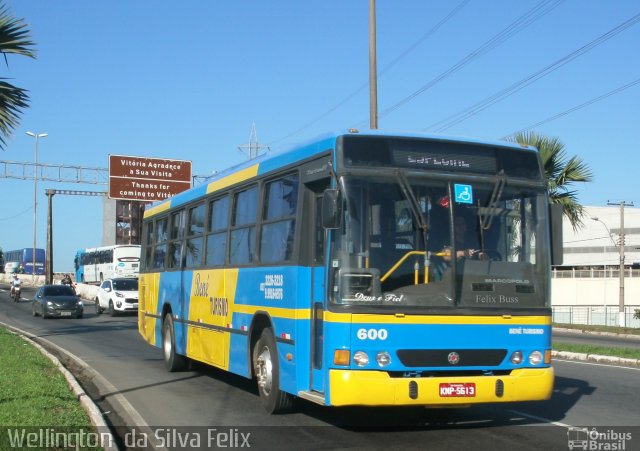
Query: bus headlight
361,358
383,358
535,358
516,357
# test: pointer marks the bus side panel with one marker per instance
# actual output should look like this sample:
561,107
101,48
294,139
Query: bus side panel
336,336
275,291
147,303
210,312
172,290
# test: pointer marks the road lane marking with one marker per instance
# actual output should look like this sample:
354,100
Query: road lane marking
537,418
608,365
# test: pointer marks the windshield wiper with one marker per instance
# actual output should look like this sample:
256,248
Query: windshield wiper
492,208
414,205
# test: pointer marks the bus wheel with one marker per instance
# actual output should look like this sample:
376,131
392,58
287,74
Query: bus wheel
173,360
267,371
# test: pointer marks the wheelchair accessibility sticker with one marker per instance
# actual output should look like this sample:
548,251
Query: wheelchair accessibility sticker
463,194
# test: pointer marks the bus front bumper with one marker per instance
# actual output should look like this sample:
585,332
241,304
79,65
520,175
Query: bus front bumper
377,388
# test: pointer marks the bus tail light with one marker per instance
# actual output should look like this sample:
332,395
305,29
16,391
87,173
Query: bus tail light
341,357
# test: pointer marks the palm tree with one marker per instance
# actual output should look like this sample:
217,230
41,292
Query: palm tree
561,172
14,38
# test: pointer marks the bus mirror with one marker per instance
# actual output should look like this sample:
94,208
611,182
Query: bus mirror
555,224
331,209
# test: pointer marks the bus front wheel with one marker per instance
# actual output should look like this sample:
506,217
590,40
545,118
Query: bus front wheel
267,371
173,360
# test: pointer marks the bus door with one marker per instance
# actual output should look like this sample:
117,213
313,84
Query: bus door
316,253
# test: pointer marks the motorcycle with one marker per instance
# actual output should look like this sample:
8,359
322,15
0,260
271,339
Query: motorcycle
16,294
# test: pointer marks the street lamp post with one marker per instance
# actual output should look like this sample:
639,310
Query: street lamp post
37,137
604,279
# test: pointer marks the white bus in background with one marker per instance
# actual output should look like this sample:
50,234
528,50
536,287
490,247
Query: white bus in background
100,263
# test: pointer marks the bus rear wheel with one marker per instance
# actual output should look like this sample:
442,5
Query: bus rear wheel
172,360
267,371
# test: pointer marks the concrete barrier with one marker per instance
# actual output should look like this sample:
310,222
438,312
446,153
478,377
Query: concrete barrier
83,290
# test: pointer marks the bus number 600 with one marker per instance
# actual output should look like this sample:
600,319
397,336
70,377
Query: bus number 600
372,334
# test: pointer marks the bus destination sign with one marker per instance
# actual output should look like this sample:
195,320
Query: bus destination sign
147,179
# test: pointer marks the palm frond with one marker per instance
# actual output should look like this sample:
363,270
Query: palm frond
561,173
14,35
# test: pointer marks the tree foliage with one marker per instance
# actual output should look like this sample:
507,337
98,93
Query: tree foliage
561,171
14,39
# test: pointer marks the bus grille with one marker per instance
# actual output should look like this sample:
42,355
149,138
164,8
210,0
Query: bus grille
442,357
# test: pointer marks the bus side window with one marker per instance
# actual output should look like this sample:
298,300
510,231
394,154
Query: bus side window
193,250
176,256
217,225
243,232
278,228
149,245
160,248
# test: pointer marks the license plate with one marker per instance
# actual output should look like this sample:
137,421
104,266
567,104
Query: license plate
65,313
462,389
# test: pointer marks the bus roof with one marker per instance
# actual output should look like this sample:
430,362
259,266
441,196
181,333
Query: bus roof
271,161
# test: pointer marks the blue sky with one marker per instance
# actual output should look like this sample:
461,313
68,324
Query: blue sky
186,80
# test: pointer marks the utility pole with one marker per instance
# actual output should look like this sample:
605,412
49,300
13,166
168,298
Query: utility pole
373,70
253,147
621,315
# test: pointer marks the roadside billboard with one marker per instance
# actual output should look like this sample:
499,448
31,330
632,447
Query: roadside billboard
147,179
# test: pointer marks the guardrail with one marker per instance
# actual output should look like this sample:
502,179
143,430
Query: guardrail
593,315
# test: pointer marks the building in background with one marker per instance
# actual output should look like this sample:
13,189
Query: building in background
597,244
586,288
122,221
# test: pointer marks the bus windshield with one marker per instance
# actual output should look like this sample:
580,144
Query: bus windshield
410,242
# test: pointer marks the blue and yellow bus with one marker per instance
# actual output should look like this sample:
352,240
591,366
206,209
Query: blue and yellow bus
21,260
337,272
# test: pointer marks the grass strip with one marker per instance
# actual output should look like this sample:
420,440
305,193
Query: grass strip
35,396
625,353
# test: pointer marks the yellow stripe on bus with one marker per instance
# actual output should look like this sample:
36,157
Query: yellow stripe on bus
232,179
278,312
157,209
434,319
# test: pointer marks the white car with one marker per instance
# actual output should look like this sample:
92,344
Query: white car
117,295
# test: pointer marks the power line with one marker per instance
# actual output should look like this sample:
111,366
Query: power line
515,27
575,108
19,214
395,61
463,115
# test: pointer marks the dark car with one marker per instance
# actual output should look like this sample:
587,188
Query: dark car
57,300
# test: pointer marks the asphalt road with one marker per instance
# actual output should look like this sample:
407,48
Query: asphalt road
585,395
576,337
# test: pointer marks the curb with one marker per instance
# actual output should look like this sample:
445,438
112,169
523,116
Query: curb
107,440
595,358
